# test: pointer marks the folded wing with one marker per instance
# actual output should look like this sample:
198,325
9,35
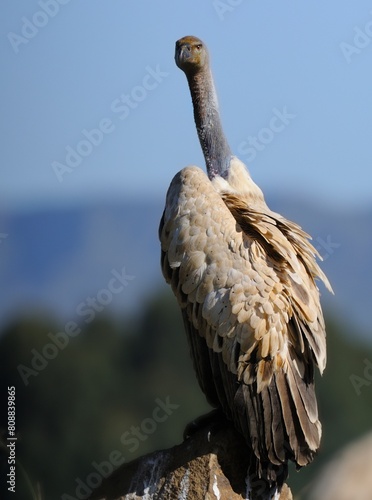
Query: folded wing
244,278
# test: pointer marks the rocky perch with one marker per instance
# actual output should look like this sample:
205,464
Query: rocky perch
211,464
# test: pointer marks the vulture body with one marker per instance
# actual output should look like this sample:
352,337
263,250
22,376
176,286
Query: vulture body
244,278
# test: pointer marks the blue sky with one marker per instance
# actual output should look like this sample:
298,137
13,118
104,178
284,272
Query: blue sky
72,67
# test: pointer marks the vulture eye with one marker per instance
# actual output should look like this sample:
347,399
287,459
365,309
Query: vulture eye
199,46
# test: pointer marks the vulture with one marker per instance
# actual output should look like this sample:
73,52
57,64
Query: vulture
245,281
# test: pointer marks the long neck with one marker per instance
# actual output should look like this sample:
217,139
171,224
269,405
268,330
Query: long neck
215,148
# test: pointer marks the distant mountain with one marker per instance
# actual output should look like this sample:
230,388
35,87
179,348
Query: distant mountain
64,260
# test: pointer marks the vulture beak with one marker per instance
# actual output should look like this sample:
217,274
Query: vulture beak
183,53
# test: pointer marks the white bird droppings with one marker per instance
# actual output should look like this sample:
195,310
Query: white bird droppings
184,486
216,490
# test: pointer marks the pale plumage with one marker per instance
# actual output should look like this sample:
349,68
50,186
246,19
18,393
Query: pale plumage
244,278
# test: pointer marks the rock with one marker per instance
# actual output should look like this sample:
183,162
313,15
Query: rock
209,465
349,475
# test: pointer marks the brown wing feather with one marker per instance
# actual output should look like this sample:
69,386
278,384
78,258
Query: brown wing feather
244,278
